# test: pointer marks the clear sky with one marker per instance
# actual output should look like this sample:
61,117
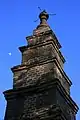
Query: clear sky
17,21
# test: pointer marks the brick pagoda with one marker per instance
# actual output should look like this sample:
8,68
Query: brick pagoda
41,88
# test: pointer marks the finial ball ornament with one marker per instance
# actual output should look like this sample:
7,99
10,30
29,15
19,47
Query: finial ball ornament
43,15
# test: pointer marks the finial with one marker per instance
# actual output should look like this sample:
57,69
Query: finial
43,17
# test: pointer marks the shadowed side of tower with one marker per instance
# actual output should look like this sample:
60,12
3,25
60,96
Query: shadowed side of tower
41,88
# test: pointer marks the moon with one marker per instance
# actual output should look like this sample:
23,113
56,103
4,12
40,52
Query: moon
9,54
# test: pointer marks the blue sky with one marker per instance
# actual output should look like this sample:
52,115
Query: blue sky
17,21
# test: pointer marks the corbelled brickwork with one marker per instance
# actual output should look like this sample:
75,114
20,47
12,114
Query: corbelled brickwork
41,88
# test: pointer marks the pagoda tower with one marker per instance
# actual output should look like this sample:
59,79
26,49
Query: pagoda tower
41,88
